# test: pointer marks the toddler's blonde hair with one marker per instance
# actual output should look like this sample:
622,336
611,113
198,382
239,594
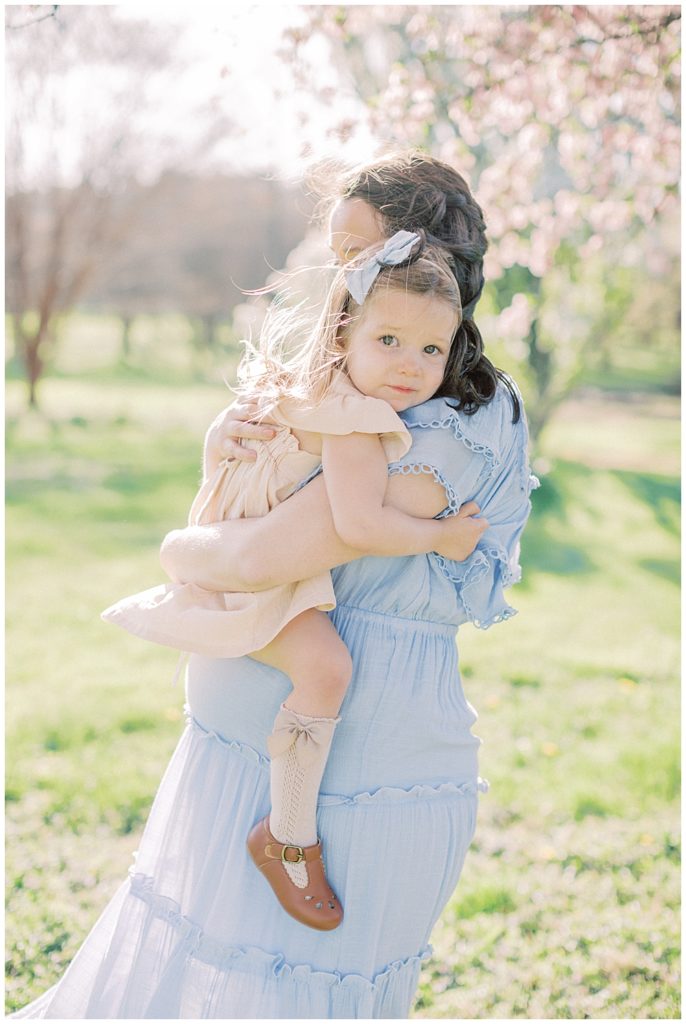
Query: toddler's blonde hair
280,366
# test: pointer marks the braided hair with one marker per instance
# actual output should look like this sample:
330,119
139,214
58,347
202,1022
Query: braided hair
415,192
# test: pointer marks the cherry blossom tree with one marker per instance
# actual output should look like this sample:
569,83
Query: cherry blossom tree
565,119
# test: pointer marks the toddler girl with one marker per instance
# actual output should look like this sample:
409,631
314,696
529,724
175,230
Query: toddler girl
382,345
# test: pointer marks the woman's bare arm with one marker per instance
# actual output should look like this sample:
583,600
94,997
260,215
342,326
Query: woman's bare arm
297,539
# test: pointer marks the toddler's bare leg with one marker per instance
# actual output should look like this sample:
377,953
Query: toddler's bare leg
311,653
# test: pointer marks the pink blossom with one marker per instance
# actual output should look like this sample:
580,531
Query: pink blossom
515,321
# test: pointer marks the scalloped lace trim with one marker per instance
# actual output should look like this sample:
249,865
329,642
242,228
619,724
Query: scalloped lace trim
416,469
225,957
477,565
453,422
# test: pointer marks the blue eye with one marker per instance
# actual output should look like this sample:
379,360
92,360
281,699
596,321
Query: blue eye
388,339
432,349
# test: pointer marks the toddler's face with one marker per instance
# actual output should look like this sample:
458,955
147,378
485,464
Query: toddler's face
398,348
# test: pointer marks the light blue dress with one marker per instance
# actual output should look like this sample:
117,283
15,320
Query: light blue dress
195,932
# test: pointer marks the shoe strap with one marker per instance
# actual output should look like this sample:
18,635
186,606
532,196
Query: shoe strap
291,854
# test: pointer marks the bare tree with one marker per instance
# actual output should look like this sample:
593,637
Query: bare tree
81,99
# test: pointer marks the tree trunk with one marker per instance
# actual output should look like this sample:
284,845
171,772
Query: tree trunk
34,367
541,364
31,349
209,322
126,322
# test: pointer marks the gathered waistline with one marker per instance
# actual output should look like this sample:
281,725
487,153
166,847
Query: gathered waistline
425,625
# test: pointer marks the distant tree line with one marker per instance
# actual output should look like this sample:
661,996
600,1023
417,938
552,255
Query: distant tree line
195,247
184,244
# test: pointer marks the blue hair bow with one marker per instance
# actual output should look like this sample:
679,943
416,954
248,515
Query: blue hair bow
396,250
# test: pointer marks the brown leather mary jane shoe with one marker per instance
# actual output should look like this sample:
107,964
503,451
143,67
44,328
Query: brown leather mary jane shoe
317,906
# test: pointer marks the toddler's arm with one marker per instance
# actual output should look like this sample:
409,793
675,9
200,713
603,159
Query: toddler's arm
252,554
355,476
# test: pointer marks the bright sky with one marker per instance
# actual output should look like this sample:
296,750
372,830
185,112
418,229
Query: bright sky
230,57
243,39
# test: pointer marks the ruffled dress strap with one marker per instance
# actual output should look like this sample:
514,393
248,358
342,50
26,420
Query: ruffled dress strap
345,410
482,458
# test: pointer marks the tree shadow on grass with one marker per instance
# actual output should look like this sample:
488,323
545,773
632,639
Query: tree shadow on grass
123,514
85,469
119,496
565,487
661,494
667,568
543,551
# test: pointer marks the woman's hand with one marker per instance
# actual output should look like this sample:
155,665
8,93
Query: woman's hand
223,439
461,533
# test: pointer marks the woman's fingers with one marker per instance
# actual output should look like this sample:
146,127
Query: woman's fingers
229,449
242,429
223,439
236,430
246,410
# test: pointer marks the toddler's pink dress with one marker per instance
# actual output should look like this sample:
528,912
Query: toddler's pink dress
229,625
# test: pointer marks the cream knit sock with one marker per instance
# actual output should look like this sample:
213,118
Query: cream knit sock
299,748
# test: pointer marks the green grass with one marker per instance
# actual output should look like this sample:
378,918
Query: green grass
568,902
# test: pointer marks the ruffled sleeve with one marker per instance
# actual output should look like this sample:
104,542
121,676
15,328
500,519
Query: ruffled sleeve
482,458
345,410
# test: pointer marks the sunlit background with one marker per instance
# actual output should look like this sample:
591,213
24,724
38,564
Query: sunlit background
158,168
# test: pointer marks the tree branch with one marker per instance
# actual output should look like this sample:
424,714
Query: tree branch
34,21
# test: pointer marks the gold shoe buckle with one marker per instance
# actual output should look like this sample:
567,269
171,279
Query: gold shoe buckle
299,857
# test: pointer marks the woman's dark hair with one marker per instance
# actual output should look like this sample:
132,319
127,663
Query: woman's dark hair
414,192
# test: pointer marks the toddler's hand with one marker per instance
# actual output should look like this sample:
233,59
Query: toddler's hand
461,533
223,439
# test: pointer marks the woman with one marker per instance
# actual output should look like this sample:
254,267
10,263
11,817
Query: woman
195,932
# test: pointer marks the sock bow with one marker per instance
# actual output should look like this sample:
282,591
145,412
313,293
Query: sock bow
308,735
